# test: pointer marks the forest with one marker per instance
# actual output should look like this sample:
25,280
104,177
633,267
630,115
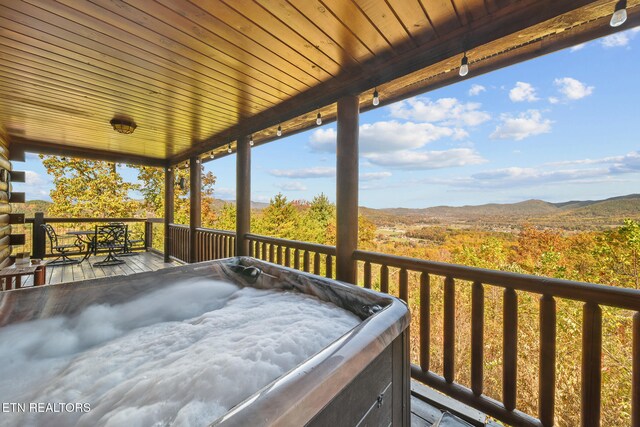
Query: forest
605,253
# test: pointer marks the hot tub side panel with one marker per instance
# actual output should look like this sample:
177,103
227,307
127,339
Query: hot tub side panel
378,396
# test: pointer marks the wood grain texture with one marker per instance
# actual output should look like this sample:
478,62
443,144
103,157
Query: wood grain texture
196,75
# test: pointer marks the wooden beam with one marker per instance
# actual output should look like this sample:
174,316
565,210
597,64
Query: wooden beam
506,22
195,205
347,188
168,211
243,196
20,145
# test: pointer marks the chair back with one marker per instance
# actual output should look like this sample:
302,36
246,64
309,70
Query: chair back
51,234
111,234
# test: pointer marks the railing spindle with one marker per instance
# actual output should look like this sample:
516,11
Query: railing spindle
547,381
305,261
384,278
510,348
591,364
316,263
367,275
272,253
403,283
635,381
296,259
287,257
449,327
329,266
477,338
425,320
279,254
251,248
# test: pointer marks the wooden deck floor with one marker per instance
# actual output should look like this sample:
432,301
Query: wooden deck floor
144,261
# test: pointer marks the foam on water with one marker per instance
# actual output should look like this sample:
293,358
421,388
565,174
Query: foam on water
183,355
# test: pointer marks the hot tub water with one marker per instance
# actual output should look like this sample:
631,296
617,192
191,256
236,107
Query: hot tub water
181,355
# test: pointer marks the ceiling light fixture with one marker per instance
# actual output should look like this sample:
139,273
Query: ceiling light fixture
464,66
376,98
619,16
279,131
123,125
319,119
251,140
229,150
211,156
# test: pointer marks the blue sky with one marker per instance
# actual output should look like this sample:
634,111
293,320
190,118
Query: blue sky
561,127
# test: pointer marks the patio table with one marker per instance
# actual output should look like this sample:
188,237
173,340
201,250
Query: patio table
88,237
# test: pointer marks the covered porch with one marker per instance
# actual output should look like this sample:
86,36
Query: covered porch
185,83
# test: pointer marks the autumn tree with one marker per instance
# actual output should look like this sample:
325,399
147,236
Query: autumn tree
152,189
619,252
88,188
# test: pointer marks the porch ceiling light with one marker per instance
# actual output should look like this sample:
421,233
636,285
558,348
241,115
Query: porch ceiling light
464,66
123,125
619,16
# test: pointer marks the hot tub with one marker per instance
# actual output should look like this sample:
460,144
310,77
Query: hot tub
362,378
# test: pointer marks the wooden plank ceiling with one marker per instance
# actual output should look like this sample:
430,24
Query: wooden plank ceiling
196,75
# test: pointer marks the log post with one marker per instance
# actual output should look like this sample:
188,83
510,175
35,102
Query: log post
243,195
347,188
195,205
168,211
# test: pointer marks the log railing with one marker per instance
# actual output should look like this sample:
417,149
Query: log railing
214,244
593,298
305,256
210,244
392,274
179,242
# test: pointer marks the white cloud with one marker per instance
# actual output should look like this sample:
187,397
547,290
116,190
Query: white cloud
521,126
35,187
553,100
476,90
373,176
420,160
523,92
573,89
445,111
292,186
581,171
224,192
316,172
615,40
388,136
578,47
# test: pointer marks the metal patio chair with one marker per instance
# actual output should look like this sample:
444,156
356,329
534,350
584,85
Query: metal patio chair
111,237
131,242
63,250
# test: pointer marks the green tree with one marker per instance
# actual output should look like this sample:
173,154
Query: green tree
279,219
316,220
88,188
226,217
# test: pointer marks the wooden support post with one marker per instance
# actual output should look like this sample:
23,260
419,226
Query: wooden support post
195,205
243,195
38,235
168,211
347,188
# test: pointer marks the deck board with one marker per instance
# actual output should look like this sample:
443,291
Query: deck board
144,261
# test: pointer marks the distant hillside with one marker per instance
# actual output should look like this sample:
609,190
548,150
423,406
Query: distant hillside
572,214
218,203
31,207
